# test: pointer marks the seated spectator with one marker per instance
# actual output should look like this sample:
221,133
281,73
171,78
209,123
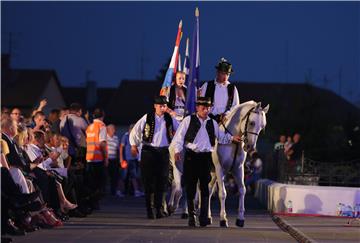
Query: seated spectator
16,115
39,121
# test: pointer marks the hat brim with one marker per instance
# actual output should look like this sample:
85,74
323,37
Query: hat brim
219,69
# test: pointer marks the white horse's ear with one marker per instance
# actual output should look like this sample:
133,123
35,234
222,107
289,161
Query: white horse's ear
258,105
266,108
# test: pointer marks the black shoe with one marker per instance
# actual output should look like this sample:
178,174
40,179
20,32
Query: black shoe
24,198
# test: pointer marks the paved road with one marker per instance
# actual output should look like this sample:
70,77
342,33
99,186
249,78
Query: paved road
123,220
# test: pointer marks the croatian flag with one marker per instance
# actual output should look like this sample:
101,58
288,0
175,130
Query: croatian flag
186,67
165,89
194,73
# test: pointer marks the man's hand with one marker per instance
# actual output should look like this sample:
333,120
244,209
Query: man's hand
177,156
236,139
134,151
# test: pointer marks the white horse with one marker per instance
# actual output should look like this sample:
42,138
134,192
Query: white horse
247,120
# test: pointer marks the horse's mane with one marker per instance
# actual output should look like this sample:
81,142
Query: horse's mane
239,107
235,112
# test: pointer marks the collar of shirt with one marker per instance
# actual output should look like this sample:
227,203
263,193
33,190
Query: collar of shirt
225,84
9,137
201,120
159,118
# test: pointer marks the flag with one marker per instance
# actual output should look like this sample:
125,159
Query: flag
179,64
165,89
186,63
194,69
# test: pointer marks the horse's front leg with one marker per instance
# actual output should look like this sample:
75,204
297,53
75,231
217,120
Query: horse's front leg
212,187
238,173
222,194
176,191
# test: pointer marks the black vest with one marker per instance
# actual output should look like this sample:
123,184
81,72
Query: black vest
194,128
172,96
14,157
210,92
148,132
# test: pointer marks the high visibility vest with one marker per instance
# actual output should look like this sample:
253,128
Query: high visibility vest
93,150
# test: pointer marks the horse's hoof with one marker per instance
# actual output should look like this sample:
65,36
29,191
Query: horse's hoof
240,222
184,216
224,223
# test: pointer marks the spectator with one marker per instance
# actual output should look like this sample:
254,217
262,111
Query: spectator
73,126
295,151
114,162
54,118
280,145
132,169
288,144
39,121
41,106
255,165
15,115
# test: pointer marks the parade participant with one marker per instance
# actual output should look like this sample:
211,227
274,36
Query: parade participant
177,97
223,94
96,154
155,131
198,133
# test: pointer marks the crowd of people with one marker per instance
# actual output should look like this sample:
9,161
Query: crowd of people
48,173
54,166
288,153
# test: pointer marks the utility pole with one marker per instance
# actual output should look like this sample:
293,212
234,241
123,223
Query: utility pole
340,79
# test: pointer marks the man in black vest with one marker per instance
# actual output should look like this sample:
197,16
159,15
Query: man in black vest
155,132
197,133
223,94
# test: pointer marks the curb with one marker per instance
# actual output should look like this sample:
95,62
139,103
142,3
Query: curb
291,230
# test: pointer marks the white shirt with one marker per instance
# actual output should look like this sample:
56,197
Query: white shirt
221,97
201,142
159,138
34,152
113,146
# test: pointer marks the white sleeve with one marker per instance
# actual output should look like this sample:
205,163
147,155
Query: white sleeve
135,136
102,134
203,89
178,140
31,153
223,137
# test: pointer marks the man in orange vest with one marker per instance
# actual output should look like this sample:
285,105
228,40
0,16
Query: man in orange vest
96,155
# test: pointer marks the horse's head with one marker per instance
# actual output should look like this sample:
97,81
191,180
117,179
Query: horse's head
252,124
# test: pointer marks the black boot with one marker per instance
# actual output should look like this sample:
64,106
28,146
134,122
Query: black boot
160,205
149,199
204,211
191,209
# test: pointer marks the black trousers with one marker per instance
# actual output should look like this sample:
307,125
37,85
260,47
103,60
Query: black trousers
114,173
197,167
96,177
154,167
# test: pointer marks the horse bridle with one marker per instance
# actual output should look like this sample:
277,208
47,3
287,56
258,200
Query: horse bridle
245,133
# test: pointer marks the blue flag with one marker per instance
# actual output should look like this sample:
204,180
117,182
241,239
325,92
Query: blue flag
194,73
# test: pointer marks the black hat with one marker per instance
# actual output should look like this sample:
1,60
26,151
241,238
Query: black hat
224,66
160,99
205,101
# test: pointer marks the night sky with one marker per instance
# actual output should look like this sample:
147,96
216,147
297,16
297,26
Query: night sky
265,41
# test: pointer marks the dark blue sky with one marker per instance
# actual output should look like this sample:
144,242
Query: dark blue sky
265,41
